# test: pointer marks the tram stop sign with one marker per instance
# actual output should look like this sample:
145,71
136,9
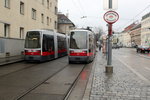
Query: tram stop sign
111,17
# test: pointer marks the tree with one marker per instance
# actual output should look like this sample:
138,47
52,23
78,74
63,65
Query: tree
99,32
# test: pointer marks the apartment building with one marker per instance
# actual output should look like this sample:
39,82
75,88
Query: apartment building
145,30
19,16
135,34
126,36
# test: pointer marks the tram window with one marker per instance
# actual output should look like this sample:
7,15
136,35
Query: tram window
48,43
32,40
78,40
91,41
61,43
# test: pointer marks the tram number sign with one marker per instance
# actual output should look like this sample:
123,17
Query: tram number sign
111,17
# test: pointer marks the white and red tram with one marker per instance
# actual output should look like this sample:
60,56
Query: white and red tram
42,45
82,46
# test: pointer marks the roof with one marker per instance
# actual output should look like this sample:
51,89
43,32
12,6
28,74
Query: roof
62,19
146,16
128,28
136,27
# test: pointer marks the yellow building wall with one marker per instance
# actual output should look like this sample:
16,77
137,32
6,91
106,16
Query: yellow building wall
16,20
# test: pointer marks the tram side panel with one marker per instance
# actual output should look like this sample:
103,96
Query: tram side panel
48,49
62,45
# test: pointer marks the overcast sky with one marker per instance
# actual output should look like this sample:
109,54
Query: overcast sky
128,10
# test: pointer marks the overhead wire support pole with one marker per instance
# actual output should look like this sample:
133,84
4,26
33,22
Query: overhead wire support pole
110,17
109,61
110,4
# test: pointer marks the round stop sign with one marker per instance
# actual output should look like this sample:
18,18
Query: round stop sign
111,17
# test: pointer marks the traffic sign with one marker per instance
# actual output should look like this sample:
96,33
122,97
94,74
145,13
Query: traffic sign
111,17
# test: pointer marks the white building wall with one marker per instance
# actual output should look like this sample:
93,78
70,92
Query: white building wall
126,39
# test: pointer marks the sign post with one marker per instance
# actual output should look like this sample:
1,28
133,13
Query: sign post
110,17
110,4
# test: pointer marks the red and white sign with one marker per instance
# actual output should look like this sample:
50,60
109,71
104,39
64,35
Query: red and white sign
111,17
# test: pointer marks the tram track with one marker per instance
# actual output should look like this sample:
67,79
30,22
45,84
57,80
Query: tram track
31,89
76,92
11,72
15,85
73,85
58,75
70,84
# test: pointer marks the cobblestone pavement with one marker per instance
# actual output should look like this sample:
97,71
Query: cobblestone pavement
123,84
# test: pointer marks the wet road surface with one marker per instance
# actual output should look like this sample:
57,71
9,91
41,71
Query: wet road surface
38,81
136,62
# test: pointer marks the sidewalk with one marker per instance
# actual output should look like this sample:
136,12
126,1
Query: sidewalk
8,60
123,84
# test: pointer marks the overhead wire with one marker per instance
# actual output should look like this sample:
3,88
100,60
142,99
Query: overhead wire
78,7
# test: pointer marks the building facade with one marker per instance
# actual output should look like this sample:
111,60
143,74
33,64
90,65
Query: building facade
126,39
135,34
145,30
65,24
19,16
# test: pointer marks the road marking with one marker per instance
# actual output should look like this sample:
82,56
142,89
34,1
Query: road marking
147,68
134,71
144,56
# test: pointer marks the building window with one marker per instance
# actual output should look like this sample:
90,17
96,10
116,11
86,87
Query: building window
6,30
7,3
42,2
21,33
21,8
47,20
42,18
55,10
48,4
33,14
55,25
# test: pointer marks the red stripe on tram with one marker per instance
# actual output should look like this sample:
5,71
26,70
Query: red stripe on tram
33,53
81,54
47,53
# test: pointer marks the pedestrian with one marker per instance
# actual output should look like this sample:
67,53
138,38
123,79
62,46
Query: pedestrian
100,46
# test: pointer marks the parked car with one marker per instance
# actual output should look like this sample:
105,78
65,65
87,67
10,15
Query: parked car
143,49
115,46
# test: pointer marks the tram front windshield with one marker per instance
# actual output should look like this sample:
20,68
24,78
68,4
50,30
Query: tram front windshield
78,40
32,40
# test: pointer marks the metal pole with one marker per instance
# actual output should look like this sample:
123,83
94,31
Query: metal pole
109,67
106,48
109,61
110,4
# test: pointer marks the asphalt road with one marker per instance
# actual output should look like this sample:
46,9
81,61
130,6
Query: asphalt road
39,81
136,62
